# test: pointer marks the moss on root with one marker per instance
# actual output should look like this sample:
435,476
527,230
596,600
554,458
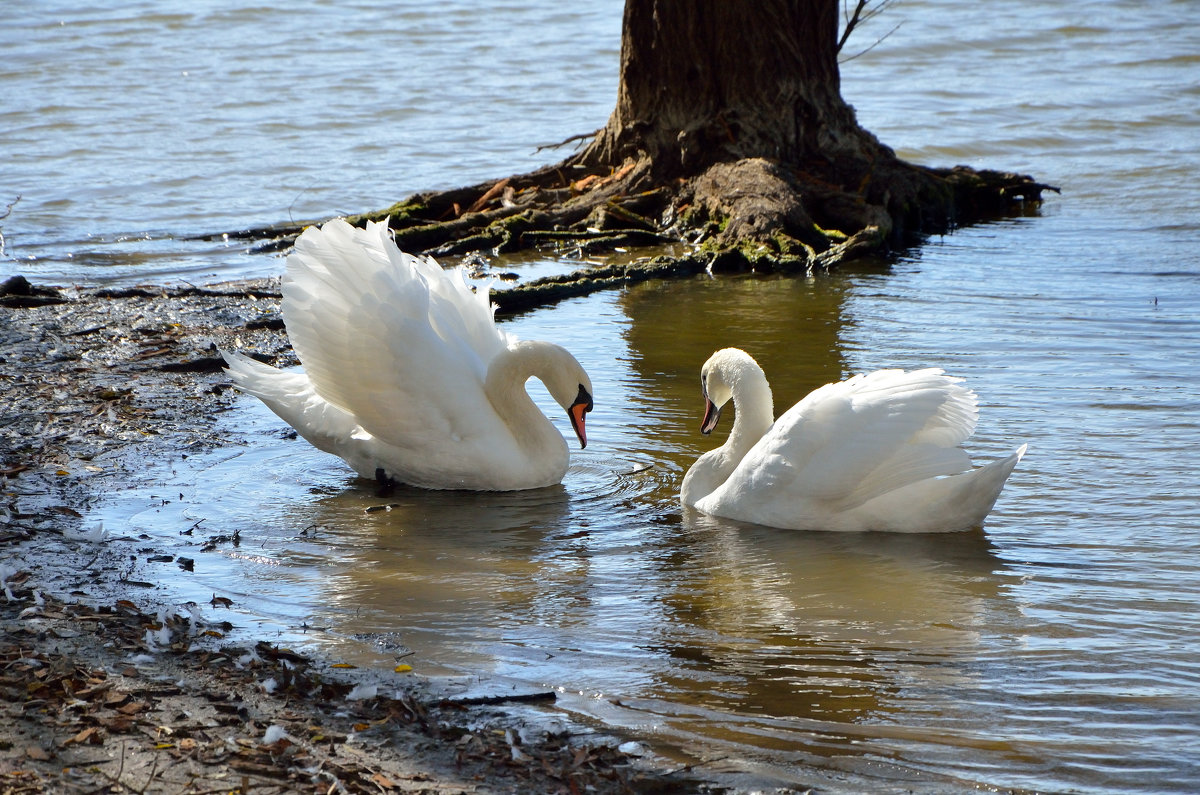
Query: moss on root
746,215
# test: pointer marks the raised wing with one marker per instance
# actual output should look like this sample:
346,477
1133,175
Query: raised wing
850,441
389,337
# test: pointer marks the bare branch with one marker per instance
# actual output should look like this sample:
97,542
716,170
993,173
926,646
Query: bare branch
7,212
861,13
579,137
8,208
873,46
851,22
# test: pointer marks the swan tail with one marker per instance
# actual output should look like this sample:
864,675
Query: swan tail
269,384
944,504
987,482
291,396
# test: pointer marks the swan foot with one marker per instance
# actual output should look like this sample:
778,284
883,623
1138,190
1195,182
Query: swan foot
383,483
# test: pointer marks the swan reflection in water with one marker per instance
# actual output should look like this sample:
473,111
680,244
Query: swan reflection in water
679,610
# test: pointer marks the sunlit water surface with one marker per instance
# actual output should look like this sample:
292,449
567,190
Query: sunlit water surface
1058,649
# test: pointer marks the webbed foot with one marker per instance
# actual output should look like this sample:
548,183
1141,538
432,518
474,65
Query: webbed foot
383,483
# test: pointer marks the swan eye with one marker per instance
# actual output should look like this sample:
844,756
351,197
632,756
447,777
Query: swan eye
584,398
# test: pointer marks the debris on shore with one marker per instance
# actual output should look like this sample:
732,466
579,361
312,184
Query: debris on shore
103,690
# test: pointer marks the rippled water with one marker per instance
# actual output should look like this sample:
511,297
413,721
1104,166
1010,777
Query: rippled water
1056,650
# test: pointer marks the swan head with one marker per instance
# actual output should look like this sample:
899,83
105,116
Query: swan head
719,377
581,406
575,395
564,378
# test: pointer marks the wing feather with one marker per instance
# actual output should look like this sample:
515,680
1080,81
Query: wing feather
850,441
391,338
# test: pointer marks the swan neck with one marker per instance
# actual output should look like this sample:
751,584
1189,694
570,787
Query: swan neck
505,387
753,415
754,410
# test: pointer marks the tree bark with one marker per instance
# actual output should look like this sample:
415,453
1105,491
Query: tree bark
718,80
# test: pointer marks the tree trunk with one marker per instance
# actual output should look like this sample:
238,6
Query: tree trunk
720,80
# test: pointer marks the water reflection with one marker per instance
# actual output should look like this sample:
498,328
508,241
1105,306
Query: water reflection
707,629
793,327
814,625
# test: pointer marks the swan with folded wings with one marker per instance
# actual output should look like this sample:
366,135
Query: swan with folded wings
879,451
406,376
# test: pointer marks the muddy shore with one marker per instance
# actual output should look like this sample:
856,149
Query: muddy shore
104,688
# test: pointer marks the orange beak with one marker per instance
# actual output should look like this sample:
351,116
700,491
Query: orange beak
712,413
577,412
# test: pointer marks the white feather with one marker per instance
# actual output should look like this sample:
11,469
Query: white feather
362,692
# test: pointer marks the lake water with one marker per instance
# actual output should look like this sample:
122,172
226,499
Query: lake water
1056,650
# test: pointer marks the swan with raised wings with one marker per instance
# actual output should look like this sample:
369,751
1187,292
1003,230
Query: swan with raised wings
406,376
878,451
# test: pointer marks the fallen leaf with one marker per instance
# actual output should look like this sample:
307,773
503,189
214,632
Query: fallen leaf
117,724
90,735
115,700
132,708
148,354
383,781
402,669
65,510
583,184
94,689
37,753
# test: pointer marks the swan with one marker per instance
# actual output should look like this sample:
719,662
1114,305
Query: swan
406,376
878,451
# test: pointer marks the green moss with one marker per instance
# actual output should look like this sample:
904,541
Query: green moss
402,213
785,243
709,243
833,234
508,230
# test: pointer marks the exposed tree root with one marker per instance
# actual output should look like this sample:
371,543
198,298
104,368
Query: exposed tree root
749,214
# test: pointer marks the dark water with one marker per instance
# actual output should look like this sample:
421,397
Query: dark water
1055,651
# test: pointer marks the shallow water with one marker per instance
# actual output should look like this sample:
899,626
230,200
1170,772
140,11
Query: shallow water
1056,650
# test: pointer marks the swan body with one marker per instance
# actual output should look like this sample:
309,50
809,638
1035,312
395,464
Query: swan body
878,451
406,375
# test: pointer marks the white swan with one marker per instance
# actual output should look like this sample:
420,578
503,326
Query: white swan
875,452
406,375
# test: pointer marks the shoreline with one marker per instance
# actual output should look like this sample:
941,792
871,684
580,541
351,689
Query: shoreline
107,689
